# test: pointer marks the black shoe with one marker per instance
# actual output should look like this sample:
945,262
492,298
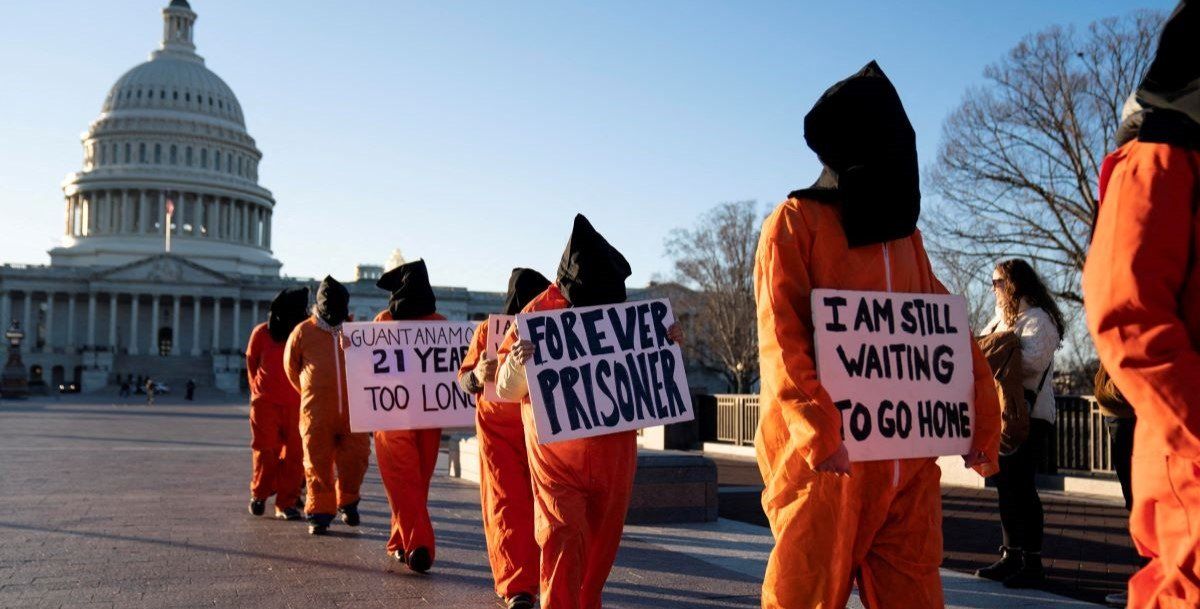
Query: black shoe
397,555
290,513
419,560
520,601
1008,565
300,504
317,529
257,506
349,514
1031,575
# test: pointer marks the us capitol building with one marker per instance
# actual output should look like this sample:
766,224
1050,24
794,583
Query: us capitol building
113,302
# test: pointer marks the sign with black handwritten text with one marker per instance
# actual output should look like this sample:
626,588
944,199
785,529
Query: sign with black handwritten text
497,327
600,370
899,368
404,374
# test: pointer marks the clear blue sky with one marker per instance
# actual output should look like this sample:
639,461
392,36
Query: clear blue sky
469,133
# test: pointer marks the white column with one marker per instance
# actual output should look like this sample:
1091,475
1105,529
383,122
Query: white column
180,207
67,227
246,217
126,217
91,324
70,321
237,325
162,212
195,326
27,325
49,346
267,229
143,213
112,322
154,321
216,337
214,228
254,320
175,326
133,325
5,312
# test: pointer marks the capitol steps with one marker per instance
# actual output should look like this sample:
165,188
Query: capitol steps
172,370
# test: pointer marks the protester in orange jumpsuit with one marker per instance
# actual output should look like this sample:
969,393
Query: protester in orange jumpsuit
276,453
505,489
407,458
1141,289
316,366
835,521
581,487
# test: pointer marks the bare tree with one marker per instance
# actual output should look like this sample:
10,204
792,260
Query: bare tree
714,260
1019,160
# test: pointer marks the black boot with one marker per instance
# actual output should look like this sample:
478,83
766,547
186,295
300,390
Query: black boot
1031,575
257,506
520,601
288,513
318,524
419,560
1008,565
349,514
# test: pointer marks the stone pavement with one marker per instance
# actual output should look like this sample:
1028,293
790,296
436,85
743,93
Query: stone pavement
124,505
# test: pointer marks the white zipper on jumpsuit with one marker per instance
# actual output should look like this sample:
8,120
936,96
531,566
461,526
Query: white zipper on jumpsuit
887,277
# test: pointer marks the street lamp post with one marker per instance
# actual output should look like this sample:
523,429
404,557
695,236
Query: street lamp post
14,383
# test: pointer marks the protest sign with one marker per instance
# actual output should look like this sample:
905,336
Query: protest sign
497,327
899,368
600,370
404,374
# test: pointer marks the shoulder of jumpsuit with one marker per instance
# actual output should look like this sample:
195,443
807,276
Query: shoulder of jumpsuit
475,351
796,218
550,298
384,315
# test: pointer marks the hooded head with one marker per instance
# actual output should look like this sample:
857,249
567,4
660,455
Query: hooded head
333,302
523,286
412,296
1170,93
862,136
288,309
591,272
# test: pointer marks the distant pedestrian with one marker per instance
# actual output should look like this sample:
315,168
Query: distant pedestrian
149,391
124,389
1025,308
191,390
1143,311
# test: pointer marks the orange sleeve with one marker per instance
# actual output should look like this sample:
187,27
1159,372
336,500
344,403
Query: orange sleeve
783,290
293,361
986,435
254,349
477,351
1140,259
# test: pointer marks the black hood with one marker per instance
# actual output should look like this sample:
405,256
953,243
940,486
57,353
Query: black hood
288,309
523,286
591,271
862,136
333,302
412,296
1170,93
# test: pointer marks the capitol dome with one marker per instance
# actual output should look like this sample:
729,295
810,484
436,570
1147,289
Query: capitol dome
170,141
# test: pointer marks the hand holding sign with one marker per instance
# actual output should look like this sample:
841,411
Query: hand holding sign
497,327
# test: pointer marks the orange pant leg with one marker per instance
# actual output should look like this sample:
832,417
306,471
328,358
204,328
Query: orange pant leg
405,468
900,570
290,475
506,497
353,457
319,444
1165,528
612,485
265,448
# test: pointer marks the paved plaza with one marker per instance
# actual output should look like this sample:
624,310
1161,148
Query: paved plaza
125,505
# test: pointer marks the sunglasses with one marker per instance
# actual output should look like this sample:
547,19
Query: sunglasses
997,283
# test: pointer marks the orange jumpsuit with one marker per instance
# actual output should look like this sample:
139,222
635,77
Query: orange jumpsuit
315,365
581,492
276,453
1141,289
882,524
407,459
505,488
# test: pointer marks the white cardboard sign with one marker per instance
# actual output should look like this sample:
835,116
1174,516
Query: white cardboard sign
604,369
899,368
404,374
497,326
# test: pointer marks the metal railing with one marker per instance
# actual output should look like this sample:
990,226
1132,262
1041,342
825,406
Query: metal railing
737,418
1081,441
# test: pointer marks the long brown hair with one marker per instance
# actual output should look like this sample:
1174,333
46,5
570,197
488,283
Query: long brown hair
1022,282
